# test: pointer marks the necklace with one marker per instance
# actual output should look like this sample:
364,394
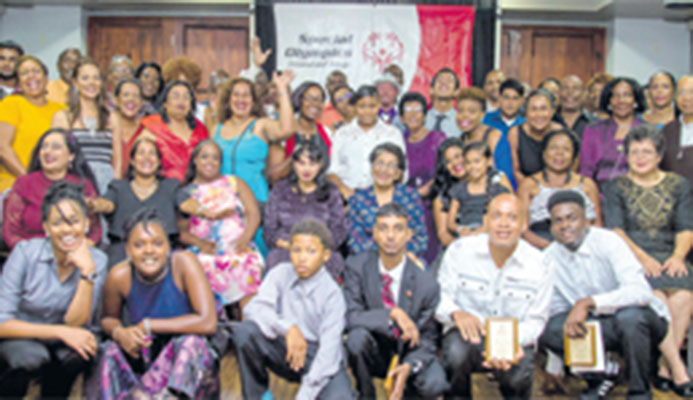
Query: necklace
144,192
147,281
546,177
90,124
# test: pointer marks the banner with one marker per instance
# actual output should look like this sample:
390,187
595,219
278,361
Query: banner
361,40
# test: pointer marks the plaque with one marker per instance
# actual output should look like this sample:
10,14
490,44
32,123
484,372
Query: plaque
582,352
502,339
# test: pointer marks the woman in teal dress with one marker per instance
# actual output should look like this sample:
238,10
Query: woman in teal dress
244,134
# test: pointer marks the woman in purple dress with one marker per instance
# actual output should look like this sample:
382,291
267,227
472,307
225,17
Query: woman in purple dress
422,146
306,193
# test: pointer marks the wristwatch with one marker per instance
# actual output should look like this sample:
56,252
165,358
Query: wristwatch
416,366
91,278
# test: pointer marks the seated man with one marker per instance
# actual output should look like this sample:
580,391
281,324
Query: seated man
294,324
495,274
390,307
597,277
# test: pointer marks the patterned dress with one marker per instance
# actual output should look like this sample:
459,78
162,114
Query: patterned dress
231,275
362,207
651,217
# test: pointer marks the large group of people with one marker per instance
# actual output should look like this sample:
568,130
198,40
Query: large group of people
313,229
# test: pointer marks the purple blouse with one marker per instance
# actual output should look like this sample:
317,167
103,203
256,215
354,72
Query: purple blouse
286,207
421,158
601,157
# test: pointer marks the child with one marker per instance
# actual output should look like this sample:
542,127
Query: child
470,197
294,324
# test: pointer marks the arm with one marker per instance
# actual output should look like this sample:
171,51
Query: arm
12,224
527,190
190,239
440,218
61,120
278,165
513,139
95,232
283,129
203,320
419,244
452,216
426,351
8,157
117,155
262,309
329,355
252,215
449,286
493,139
113,297
589,153
359,239
592,193
79,312
358,314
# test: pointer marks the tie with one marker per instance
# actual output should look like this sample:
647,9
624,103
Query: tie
388,299
439,122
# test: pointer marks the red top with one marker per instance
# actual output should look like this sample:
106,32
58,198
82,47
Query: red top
22,208
291,143
175,153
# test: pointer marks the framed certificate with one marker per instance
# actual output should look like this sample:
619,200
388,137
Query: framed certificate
582,352
502,339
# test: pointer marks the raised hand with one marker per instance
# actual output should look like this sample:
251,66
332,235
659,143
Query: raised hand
259,56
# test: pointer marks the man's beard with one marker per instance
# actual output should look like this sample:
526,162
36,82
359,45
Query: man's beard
7,77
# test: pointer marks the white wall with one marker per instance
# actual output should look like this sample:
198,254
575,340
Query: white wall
44,31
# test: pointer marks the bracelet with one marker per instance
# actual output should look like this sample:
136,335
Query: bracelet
200,209
146,326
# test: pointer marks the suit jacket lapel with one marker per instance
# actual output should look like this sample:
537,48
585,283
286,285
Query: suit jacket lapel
371,273
406,287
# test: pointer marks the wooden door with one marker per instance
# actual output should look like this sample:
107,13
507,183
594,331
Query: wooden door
211,42
533,53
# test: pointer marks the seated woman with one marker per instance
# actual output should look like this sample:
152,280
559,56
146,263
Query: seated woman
144,187
162,351
223,246
56,157
470,197
175,130
306,193
388,164
651,210
450,170
559,150
50,294
92,123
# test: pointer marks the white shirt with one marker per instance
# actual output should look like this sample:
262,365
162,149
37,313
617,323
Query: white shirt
351,148
6,91
396,275
470,281
686,133
603,268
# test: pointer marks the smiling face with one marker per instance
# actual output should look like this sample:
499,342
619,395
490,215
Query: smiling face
148,249
119,70
558,156
510,102
622,101
32,79
454,162
367,111
684,96
476,164
572,93
444,85
241,99
385,170
177,103
89,81
149,79
129,100
306,169
492,84
66,226
392,234
553,88
505,221
413,116
67,64
8,59
642,157
469,114
387,92
539,113
568,224
312,103
145,161
661,91
54,155
207,162
342,105
307,254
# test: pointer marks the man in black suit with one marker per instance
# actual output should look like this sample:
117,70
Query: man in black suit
391,303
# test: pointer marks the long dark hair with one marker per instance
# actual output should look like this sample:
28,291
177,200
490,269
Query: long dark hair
58,192
131,170
443,180
78,167
190,118
315,154
492,174
191,171
74,103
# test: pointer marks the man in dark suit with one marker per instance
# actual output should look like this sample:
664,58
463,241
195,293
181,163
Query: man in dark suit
391,303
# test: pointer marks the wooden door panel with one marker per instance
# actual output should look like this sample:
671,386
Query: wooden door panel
140,38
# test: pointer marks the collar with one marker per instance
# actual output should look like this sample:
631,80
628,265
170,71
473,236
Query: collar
584,249
46,251
309,284
396,272
485,250
506,121
684,124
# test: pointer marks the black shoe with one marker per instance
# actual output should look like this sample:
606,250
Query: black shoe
597,390
685,390
663,384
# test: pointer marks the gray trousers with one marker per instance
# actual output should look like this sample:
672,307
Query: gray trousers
256,353
461,358
634,332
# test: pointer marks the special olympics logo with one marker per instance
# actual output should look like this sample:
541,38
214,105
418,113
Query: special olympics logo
382,49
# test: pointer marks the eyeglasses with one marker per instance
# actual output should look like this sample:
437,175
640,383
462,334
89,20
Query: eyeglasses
383,165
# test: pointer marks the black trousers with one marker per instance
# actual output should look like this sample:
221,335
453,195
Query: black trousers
256,353
369,355
53,362
461,358
635,332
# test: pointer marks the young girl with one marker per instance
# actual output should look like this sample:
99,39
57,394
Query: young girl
471,196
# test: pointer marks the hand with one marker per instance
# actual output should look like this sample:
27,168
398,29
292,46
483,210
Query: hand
283,244
282,81
207,247
399,374
217,215
346,191
469,326
79,339
424,190
80,257
92,205
242,245
675,266
410,333
296,348
259,56
503,365
574,326
652,267
131,339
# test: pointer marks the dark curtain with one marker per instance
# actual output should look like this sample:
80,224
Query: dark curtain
482,41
